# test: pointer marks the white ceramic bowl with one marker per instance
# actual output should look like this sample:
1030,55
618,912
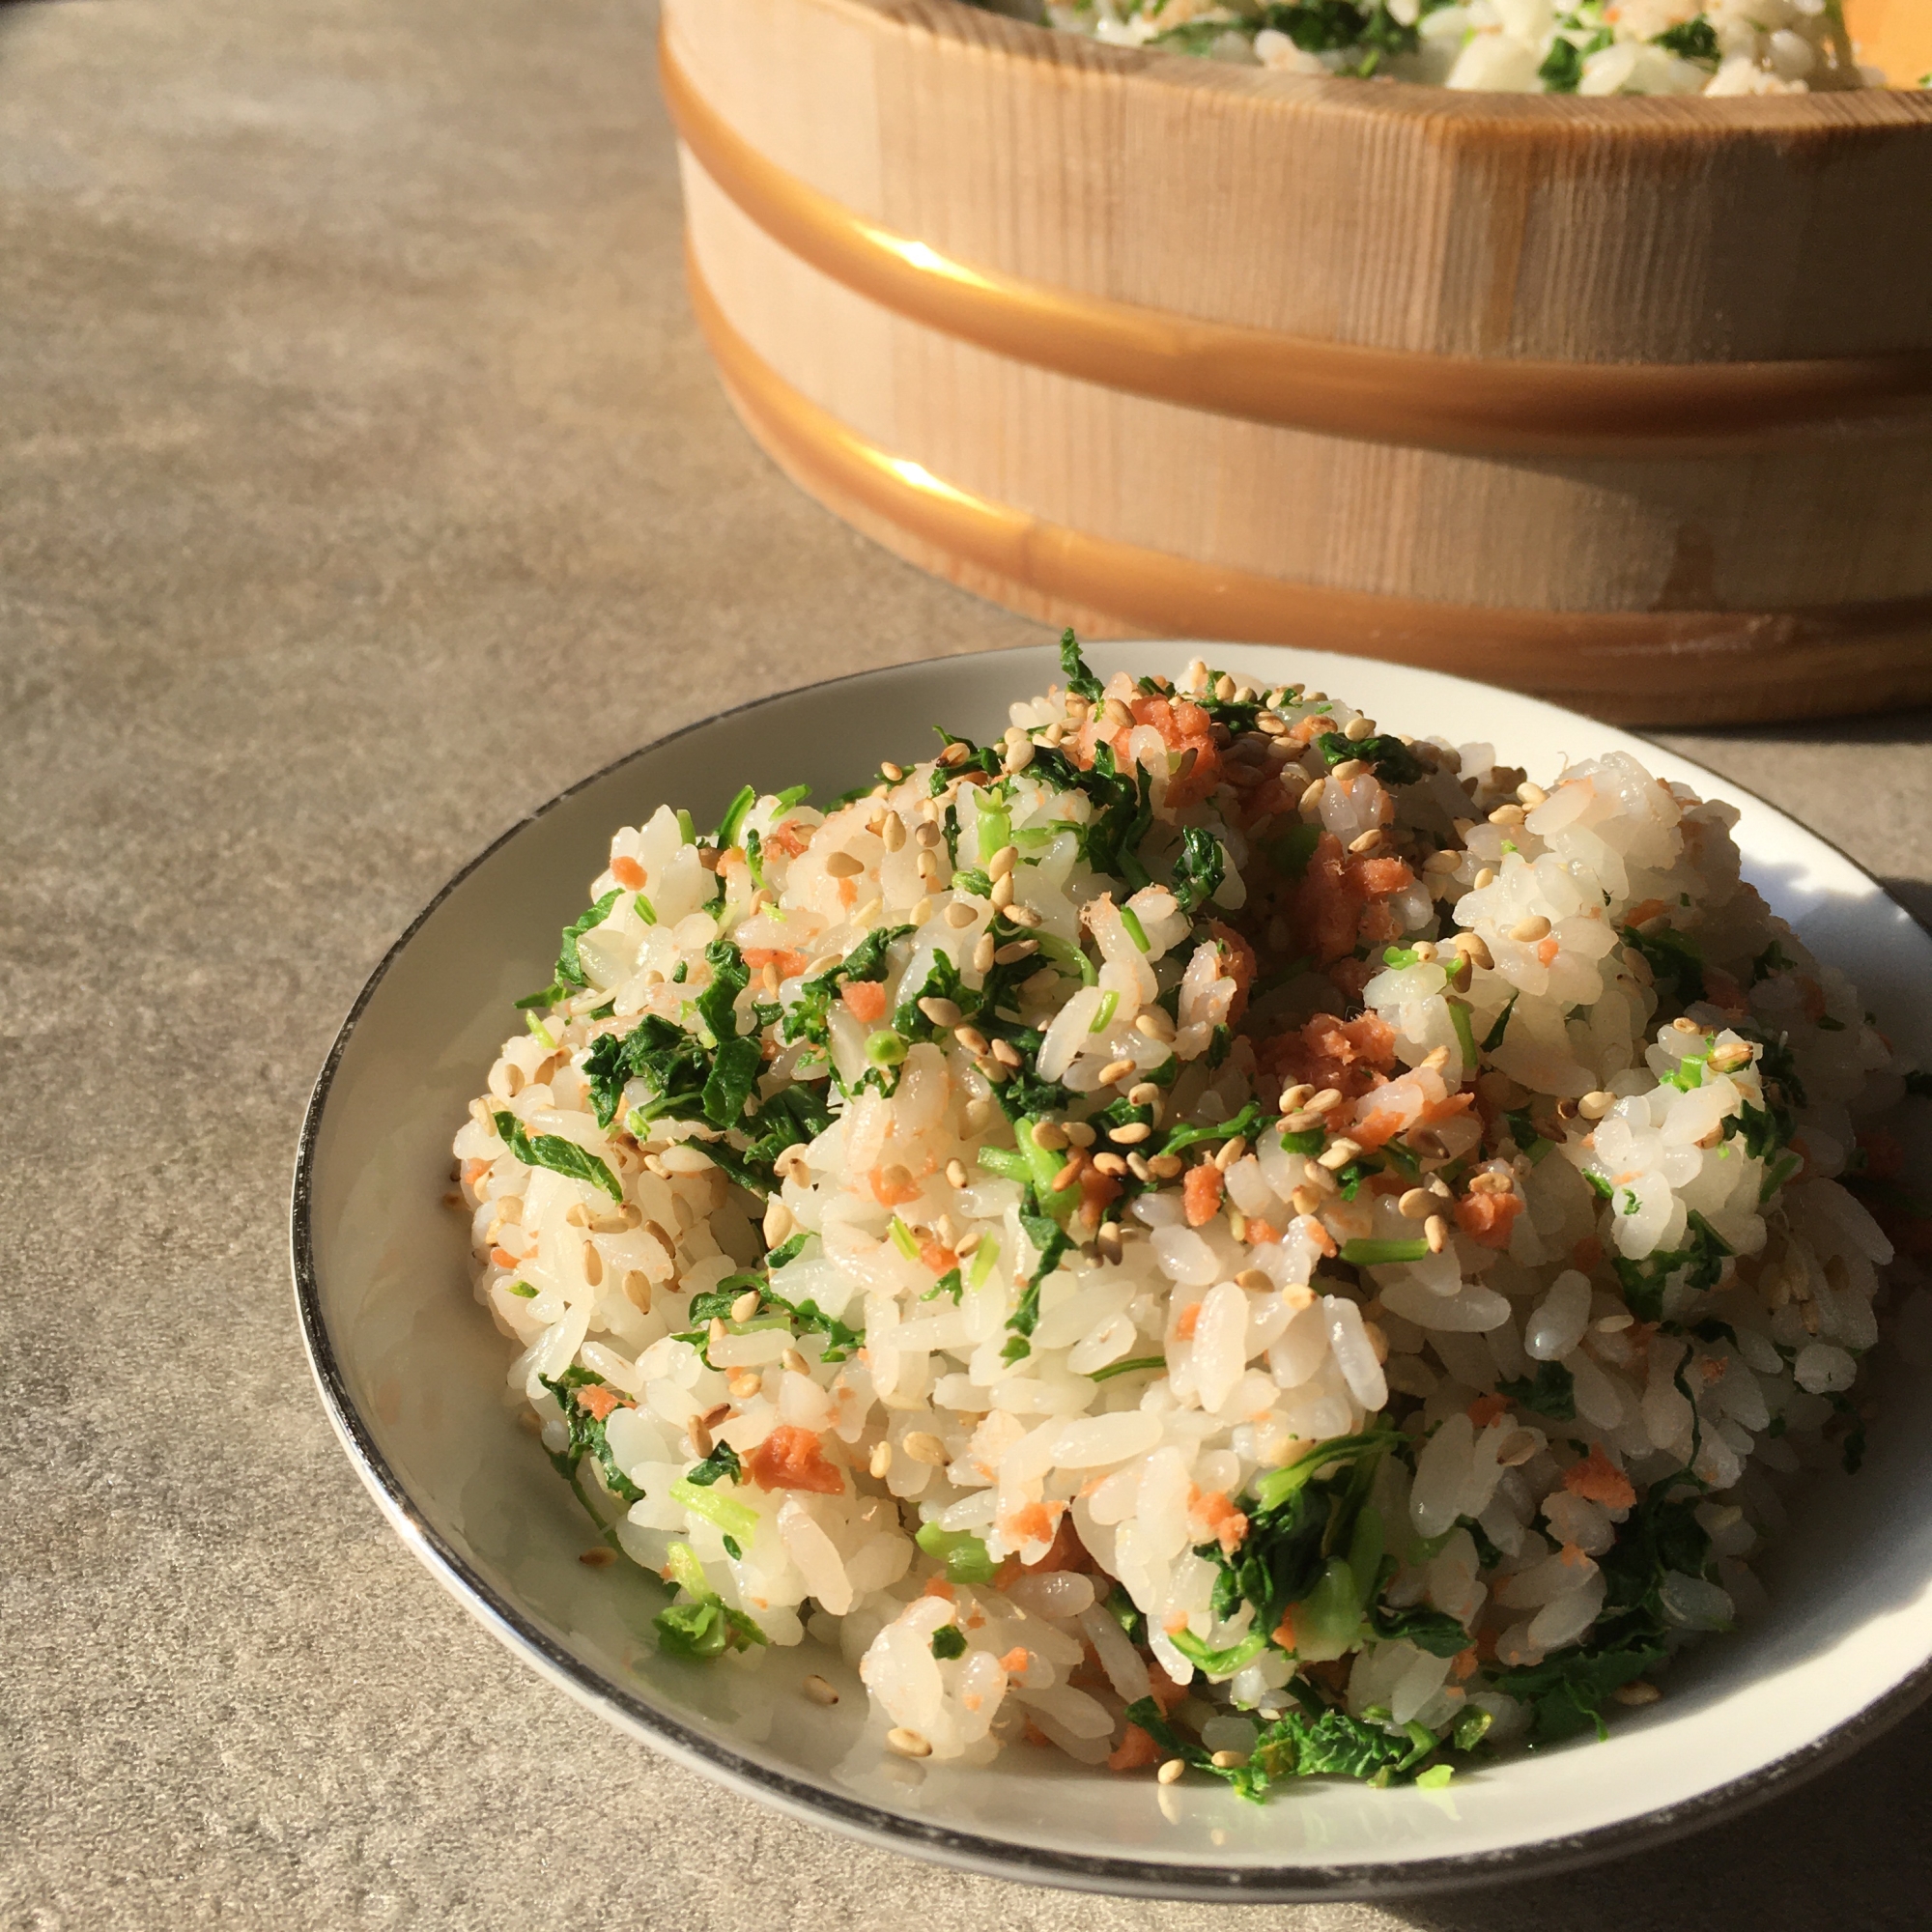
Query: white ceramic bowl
411,1373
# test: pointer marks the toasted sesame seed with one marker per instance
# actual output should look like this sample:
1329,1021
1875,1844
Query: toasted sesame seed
1171,1772
1254,1280
908,1743
968,1243
1071,1171
1154,1024
1474,947
1517,1447
1638,1692
1108,1240
1416,1205
1271,723
983,952
1337,1154
743,1383
1007,1054
1144,1094
844,866
1002,895
1436,1230
1532,795
817,1690
1594,1106
794,1362
698,1438
1162,1166
716,1332
880,1462
971,1038
1368,841
954,755
745,1306
1224,688
923,1447
891,771
1615,1325
894,832
600,1558
1003,861
1229,1152
1295,1097
1486,877
1311,796
1326,1102
1528,932
1231,1760
1011,954
1049,1134
1442,862
1117,1069
777,1224
1109,1164
1139,1167
1133,1134
959,915
1306,1201
1507,815
1350,769
941,1012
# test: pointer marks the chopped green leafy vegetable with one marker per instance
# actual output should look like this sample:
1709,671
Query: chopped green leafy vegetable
559,1156
706,1627
1550,1392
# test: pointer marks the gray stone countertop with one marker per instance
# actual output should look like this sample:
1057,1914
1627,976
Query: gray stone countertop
362,483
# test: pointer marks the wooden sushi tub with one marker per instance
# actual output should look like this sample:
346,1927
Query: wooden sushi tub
1627,402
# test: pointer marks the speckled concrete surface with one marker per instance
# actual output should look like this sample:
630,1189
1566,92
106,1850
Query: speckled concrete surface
351,425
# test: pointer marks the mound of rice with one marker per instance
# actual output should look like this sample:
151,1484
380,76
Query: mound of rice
1512,46
1205,1234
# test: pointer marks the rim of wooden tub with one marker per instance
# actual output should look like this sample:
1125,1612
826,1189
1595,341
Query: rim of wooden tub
1500,405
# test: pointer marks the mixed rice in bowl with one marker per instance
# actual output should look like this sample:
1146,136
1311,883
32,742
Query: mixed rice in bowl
1207,1235
1516,46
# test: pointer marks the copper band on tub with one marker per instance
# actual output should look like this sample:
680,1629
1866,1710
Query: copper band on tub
1635,666
1492,406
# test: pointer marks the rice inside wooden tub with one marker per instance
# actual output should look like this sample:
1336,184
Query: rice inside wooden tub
1623,401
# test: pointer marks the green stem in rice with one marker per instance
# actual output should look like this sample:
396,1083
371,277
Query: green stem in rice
734,817
1382,1254
1068,958
1128,1368
733,1519
1103,1014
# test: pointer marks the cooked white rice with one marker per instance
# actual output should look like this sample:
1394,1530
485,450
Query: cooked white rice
950,1225
1512,46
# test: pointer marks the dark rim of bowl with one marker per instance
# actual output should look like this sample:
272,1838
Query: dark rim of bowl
994,1856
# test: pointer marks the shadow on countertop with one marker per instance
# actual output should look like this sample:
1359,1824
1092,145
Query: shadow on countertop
1851,1849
